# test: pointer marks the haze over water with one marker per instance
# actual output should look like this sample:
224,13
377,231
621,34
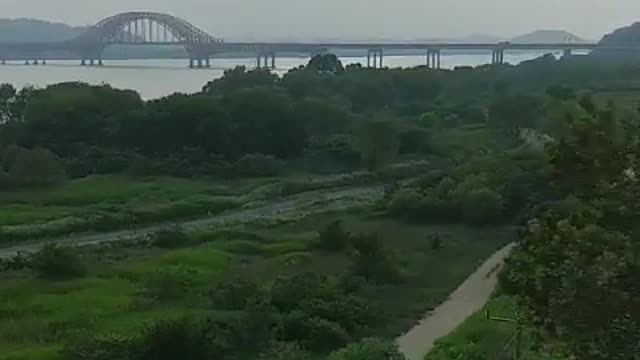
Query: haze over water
157,78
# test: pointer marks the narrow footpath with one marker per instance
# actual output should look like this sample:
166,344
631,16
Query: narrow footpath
467,299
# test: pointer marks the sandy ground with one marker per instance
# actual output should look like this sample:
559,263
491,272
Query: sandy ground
467,299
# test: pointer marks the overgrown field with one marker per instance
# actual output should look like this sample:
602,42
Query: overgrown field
480,337
127,287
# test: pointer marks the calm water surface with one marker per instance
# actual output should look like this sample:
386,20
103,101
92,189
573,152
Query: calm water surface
157,78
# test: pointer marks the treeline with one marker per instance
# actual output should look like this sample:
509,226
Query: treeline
247,121
576,266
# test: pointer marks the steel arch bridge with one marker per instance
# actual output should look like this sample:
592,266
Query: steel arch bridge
144,28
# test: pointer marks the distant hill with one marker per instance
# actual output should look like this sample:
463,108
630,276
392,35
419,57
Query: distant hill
624,37
547,37
31,30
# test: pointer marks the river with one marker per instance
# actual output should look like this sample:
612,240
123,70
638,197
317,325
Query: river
157,78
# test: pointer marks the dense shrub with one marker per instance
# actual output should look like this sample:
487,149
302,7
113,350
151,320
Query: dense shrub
288,293
168,284
101,347
285,351
234,295
32,167
316,334
372,261
481,207
369,349
333,237
176,339
257,165
58,262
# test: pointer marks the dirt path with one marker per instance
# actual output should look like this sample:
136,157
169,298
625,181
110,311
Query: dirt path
295,207
470,297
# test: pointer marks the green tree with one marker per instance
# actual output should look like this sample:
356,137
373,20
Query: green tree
333,237
377,142
239,78
33,167
369,349
58,262
563,271
325,64
515,112
372,261
7,100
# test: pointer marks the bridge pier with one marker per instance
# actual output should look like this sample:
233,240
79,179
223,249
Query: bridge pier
433,58
199,62
497,56
375,58
566,53
266,61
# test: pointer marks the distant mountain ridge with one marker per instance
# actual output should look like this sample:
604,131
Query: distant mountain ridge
547,37
624,37
32,30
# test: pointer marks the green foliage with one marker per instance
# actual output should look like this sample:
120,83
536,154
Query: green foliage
176,339
58,262
285,351
372,261
480,206
562,269
101,347
515,112
567,266
435,242
316,334
30,167
257,165
377,142
325,64
333,237
239,78
234,295
168,284
369,349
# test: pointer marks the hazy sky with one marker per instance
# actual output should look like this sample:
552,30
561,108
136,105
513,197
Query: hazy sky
354,18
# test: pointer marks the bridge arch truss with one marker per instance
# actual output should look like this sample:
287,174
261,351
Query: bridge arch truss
144,28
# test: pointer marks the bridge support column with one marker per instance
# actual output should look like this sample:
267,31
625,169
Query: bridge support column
377,55
4,62
497,56
266,61
207,62
566,53
433,58
44,62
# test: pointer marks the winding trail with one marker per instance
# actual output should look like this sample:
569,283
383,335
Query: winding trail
467,299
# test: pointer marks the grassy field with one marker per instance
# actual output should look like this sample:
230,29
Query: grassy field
37,316
108,202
